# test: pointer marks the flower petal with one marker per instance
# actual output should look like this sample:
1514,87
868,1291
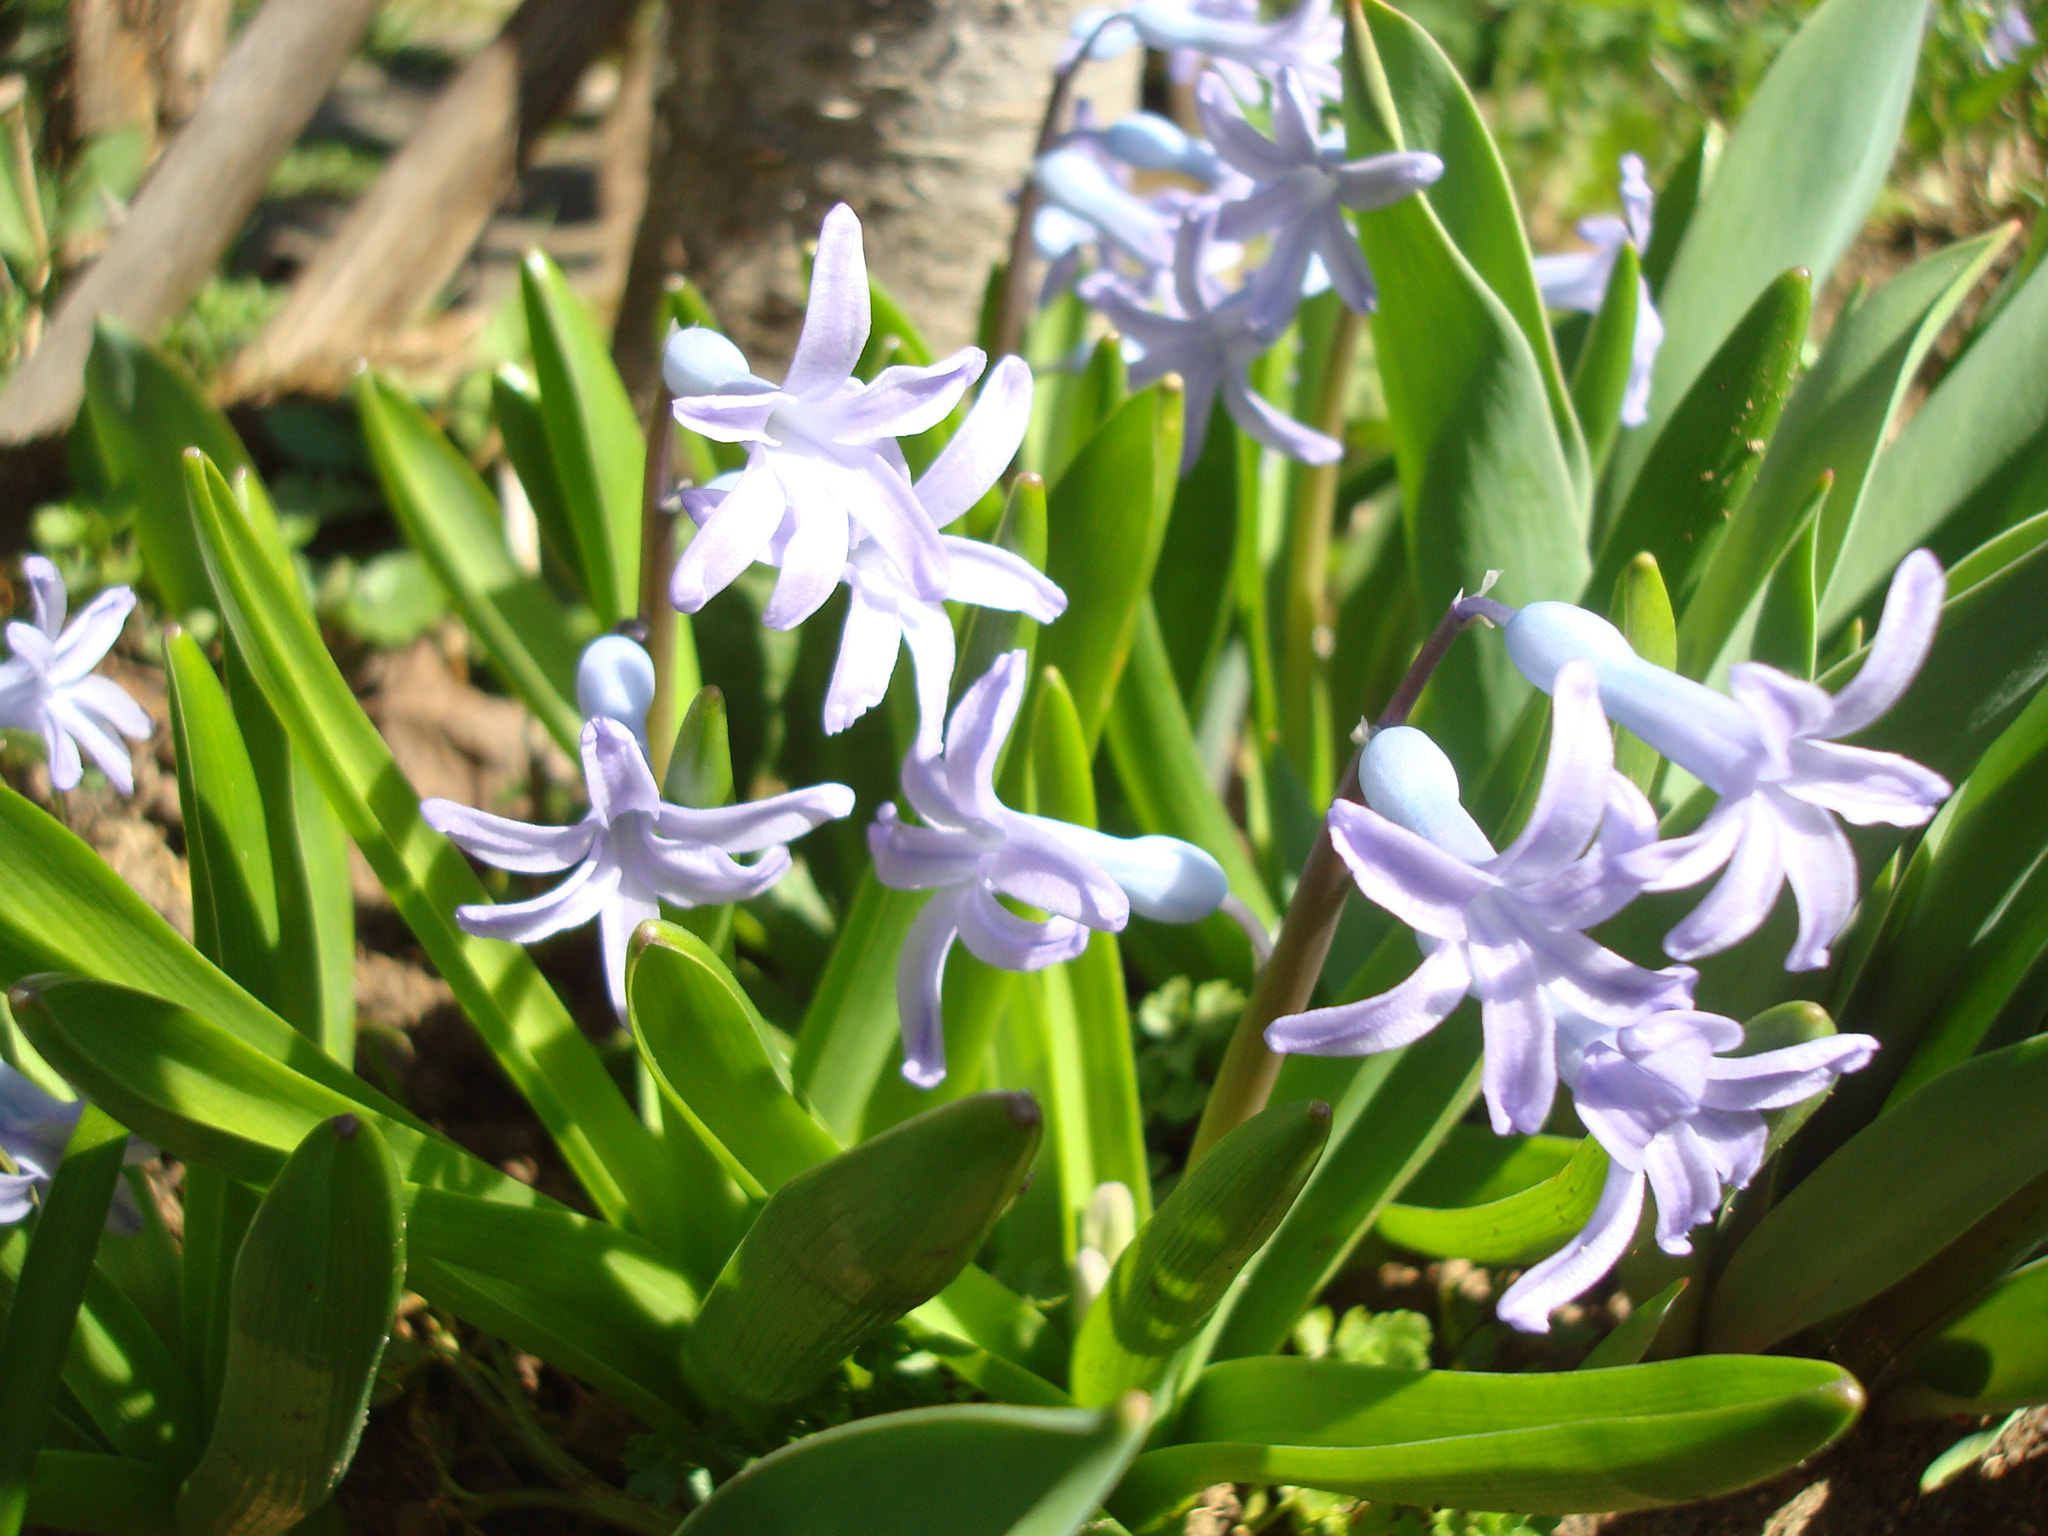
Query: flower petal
1821,869
974,737
904,400
913,858
929,634
999,937
756,824
1379,180
569,905
867,660
1332,239
977,455
1686,1183
1263,420
616,923
1905,633
106,749
1240,144
1781,1078
1041,868
87,639
1394,1018
615,772
1744,895
991,577
1426,888
503,843
732,538
48,597
813,561
1578,1266
877,495
836,314
920,980
109,702
1863,786
693,874
737,418
1574,795
1784,708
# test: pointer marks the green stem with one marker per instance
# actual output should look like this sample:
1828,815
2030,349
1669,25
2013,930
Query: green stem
657,560
1287,981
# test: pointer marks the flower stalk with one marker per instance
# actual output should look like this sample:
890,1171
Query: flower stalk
657,558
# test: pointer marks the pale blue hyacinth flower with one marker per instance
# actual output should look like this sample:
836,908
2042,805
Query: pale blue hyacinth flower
1771,753
1507,927
1211,339
821,447
1076,183
1301,182
884,612
1577,280
631,851
48,685
972,848
1678,1118
34,1129
1230,35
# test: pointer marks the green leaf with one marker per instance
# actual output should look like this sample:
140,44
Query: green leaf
1390,1114
1991,1356
893,337
1891,1197
145,410
1485,484
851,1026
1169,1279
1511,1230
1642,612
708,1050
1600,376
515,408
1192,586
530,1033
1091,397
45,1303
1473,1166
1630,1438
1473,199
454,522
1104,522
977,1470
315,1288
103,1495
847,1247
1709,453
1678,200
227,841
1791,189
986,633
594,439
1630,1341
1836,420
700,766
1785,636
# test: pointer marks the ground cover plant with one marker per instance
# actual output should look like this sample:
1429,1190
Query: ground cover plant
1362,677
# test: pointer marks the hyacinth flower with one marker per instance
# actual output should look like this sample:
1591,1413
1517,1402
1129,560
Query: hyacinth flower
34,1129
1771,753
1301,183
821,447
2011,37
1577,280
972,849
48,686
1504,927
1676,1117
1211,341
632,850
1230,35
885,611
1088,204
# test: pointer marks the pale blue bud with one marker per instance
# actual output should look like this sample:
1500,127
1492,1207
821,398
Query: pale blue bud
1407,778
1152,143
615,681
1166,879
699,361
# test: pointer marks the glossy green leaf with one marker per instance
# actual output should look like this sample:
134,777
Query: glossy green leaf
1472,1166
515,409
1630,1438
1677,200
227,841
851,1026
1473,199
1600,376
1707,456
1632,1338
1511,1230
847,1247
1891,1197
1170,1278
1485,484
1969,463
145,410
454,523
1390,1114
41,1312
1791,189
1192,592
1991,1356
1104,523
530,1033
700,766
1786,635
966,1470
986,633
217,1211
102,1495
1091,397
1642,612
707,1047
315,1288
893,337
594,439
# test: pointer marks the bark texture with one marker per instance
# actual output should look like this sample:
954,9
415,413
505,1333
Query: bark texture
919,113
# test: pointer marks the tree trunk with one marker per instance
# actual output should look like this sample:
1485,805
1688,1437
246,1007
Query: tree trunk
919,113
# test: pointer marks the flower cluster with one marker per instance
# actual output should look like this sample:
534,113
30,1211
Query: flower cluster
1662,1086
48,685
1160,259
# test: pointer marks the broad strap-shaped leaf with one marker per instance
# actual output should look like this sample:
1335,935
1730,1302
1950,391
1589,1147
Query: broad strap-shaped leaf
1087,402
1892,1197
844,1249
1600,376
1512,1230
1791,189
515,409
1473,1166
1104,523
103,1495
1642,612
967,1470
1485,483
1991,1356
851,1026
1171,1276
454,523
315,1288
594,439
529,1031
1630,1438
1632,1338
1711,449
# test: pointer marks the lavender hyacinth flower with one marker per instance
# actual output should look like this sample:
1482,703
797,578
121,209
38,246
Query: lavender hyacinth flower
1504,927
820,448
1211,343
631,852
1577,280
1773,756
34,1129
1677,1119
973,848
48,686
885,611
1230,34
1301,183
2010,38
